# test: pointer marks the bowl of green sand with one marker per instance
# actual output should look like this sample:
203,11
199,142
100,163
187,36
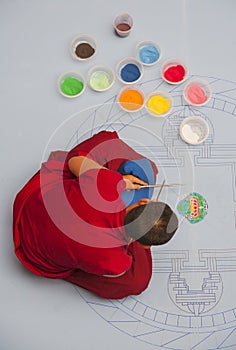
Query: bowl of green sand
100,78
71,84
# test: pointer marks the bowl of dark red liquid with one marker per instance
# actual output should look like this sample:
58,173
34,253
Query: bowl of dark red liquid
123,25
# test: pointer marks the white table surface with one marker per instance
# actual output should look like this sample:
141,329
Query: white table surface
38,313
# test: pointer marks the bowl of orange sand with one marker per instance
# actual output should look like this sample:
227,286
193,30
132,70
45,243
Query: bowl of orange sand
131,98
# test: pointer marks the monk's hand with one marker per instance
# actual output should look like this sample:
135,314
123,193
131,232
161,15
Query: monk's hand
133,182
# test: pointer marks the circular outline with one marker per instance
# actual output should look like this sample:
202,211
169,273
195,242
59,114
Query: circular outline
117,305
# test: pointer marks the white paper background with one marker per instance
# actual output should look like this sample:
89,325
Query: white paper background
39,313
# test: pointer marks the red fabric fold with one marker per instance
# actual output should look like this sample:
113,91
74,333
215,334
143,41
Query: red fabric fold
55,212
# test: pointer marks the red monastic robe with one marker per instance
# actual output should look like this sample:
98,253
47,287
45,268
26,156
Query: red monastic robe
72,228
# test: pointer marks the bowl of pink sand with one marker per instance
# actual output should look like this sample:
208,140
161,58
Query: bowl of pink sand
197,92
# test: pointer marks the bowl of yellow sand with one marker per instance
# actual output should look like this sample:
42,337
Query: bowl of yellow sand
159,103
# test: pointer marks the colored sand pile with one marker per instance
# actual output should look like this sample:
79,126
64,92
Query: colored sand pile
130,72
175,73
84,50
71,86
100,81
193,207
131,100
158,104
190,135
195,94
148,54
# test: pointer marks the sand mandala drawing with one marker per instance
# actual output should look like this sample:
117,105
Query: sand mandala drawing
190,302
193,207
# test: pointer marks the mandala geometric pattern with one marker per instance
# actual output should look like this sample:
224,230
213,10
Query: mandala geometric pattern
190,302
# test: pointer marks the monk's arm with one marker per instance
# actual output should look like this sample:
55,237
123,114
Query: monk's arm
80,164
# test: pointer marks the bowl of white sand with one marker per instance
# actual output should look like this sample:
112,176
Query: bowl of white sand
194,130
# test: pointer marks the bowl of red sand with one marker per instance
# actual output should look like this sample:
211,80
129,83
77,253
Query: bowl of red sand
131,98
174,71
197,92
